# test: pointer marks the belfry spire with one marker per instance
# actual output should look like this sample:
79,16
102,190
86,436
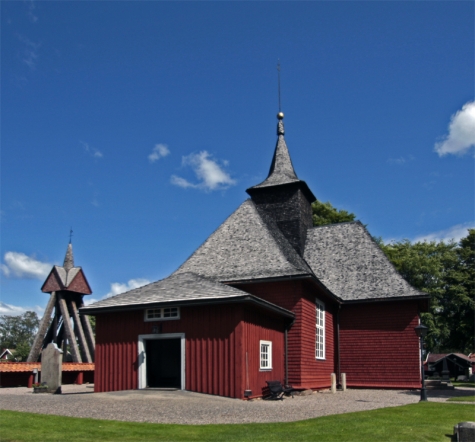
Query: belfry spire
281,170
69,258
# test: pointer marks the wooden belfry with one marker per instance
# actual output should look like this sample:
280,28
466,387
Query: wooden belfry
67,286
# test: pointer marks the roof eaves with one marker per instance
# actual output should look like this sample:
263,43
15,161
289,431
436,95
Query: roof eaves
388,299
189,303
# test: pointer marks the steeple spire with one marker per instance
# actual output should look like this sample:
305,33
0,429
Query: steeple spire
69,258
284,197
281,170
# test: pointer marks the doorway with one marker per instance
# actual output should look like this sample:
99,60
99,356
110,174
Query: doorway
161,361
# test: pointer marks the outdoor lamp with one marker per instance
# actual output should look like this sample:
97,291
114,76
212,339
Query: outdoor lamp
421,331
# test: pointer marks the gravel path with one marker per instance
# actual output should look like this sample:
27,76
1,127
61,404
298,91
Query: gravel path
184,407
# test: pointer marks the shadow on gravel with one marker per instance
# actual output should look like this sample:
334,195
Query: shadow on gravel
441,394
77,393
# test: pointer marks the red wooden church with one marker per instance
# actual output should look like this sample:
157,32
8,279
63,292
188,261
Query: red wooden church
266,297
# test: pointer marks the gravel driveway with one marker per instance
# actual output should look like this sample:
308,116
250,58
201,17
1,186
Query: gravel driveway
184,407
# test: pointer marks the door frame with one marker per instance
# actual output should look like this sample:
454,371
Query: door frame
142,368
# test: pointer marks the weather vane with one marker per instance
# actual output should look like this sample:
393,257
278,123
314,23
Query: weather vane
70,234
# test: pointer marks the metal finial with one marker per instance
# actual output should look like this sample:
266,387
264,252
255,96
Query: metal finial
70,234
278,82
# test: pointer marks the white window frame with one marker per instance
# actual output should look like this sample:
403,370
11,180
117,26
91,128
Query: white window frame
142,366
163,311
265,364
319,329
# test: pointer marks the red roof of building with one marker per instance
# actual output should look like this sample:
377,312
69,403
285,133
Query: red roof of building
435,357
10,367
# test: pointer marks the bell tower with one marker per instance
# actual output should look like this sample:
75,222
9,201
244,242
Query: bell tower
67,286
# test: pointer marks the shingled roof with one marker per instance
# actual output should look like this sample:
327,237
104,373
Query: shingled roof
247,246
62,277
179,289
345,258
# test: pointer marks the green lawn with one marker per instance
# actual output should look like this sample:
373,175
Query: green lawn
462,399
464,384
417,422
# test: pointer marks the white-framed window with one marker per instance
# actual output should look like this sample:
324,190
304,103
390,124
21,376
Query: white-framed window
265,355
319,330
162,313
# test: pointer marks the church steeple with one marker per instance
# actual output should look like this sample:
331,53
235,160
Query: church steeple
69,258
281,169
283,196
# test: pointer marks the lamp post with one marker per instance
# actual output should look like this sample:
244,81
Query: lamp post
421,331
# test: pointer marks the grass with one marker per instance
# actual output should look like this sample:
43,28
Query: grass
427,421
463,384
462,399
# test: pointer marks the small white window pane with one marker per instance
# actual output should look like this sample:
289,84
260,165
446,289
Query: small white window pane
265,355
319,330
162,313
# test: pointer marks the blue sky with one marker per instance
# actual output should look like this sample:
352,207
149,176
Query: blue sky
140,125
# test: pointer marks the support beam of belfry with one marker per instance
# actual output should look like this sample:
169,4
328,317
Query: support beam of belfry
86,355
91,342
43,328
73,346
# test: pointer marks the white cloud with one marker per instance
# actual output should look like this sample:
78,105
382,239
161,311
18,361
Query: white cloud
461,135
118,288
91,150
400,160
19,265
30,52
31,15
210,175
88,300
455,233
159,151
14,310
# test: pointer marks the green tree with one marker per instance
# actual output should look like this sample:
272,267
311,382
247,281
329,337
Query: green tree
446,272
460,293
92,321
424,265
325,213
18,332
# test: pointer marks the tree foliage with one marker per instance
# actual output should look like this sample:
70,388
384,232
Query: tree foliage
446,272
325,213
18,332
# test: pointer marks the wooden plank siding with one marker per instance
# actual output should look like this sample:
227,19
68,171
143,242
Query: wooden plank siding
216,341
256,327
379,347
305,371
